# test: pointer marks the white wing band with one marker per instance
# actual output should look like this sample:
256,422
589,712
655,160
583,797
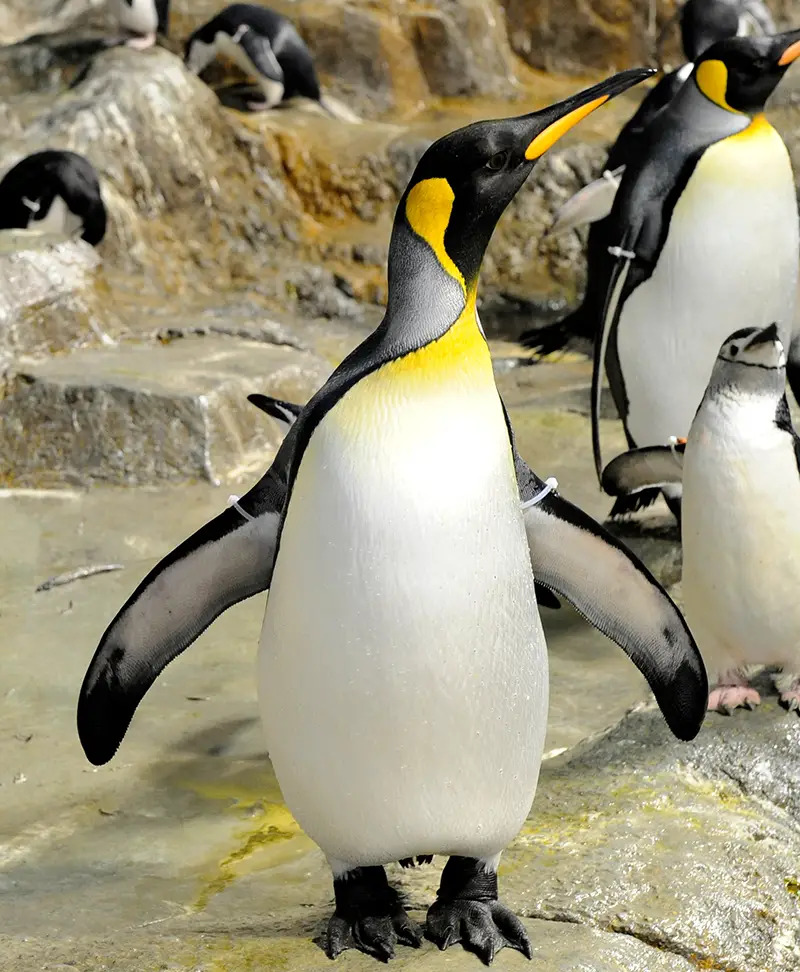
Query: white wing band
234,502
550,484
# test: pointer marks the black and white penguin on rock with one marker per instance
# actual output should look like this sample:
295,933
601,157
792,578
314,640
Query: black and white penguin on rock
54,192
740,471
403,669
703,236
702,23
266,46
145,19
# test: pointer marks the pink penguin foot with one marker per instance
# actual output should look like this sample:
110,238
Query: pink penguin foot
141,43
257,105
726,698
790,699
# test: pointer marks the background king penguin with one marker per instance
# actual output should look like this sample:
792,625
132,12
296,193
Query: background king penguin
403,670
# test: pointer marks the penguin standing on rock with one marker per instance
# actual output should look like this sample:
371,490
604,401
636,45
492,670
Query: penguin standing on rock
143,18
56,192
740,470
266,46
403,668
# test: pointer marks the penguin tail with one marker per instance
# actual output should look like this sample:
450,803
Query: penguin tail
555,337
336,109
633,502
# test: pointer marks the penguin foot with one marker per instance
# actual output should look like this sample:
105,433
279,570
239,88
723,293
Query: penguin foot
790,699
141,43
368,916
725,698
482,927
467,911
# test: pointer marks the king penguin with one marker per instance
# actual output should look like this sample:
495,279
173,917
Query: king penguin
740,470
144,19
402,665
702,23
703,235
53,191
266,46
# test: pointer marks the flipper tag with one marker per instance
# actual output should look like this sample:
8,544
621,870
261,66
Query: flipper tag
673,441
619,253
549,485
234,502
609,176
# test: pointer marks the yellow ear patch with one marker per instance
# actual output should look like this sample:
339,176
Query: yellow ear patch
560,127
712,80
428,207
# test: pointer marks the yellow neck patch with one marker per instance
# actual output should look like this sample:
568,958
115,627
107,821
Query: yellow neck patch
428,207
712,80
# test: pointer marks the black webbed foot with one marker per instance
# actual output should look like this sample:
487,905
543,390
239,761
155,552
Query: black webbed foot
368,916
467,911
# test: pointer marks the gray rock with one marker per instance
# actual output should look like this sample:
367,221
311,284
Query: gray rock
138,415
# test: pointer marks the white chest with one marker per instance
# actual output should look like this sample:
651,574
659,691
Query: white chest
730,260
58,219
403,667
138,16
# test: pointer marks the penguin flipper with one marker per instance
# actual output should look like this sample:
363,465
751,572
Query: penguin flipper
284,412
606,583
642,469
260,52
224,562
590,204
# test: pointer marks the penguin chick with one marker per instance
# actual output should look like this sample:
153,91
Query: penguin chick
740,470
53,191
143,18
402,667
267,46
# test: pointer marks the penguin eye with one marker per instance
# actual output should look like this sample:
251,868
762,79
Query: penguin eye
734,350
498,161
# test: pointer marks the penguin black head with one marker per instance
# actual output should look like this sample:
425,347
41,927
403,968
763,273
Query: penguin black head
740,73
465,180
703,22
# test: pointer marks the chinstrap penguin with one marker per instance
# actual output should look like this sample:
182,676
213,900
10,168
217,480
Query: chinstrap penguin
53,191
143,18
740,470
266,46
402,667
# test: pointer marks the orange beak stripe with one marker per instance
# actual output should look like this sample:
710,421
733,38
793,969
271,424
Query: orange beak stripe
791,53
561,126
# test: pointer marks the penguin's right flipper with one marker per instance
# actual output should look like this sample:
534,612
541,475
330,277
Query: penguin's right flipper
793,366
642,469
284,412
574,556
591,203
229,559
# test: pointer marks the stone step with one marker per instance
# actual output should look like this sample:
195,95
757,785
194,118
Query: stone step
147,414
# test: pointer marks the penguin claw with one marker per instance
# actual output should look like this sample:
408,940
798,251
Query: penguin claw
375,935
483,927
791,700
725,698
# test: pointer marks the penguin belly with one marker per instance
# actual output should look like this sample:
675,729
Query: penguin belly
741,537
730,260
403,668
58,219
140,16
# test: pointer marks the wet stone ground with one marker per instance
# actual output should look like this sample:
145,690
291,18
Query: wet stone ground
640,854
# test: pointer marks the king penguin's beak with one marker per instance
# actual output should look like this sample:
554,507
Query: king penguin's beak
787,47
543,128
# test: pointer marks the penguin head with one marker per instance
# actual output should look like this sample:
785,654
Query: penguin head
465,180
703,22
740,73
752,358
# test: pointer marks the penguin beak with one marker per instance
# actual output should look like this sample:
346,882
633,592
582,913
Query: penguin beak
767,335
544,128
789,47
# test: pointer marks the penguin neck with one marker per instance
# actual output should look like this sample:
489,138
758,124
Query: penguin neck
691,108
426,299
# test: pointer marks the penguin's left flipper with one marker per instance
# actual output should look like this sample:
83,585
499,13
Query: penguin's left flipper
228,560
591,203
574,556
284,412
260,52
642,469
